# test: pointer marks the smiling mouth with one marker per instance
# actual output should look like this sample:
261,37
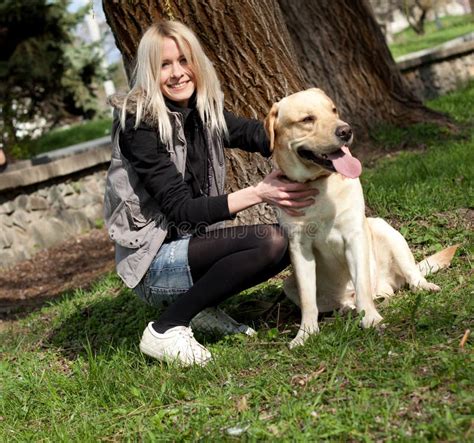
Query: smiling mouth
180,85
320,159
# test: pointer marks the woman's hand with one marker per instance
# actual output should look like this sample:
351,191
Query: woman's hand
287,195
276,190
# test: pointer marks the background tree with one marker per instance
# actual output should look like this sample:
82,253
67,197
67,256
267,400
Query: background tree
417,11
253,50
46,74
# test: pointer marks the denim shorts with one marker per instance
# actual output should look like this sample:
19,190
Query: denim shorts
168,276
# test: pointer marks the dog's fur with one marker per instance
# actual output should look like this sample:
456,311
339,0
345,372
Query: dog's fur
341,258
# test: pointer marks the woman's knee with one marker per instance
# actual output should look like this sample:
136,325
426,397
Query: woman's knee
274,244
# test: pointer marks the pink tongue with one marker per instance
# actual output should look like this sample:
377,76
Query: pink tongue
345,164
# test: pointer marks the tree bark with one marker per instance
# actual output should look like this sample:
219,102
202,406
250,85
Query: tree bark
248,43
342,50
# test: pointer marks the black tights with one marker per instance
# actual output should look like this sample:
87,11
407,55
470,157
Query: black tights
224,262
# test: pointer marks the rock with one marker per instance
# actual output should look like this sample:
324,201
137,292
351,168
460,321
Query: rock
21,218
67,189
20,202
75,201
5,221
22,253
25,241
95,213
55,199
77,221
6,238
92,199
36,203
7,257
47,233
7,208
43,192
93,187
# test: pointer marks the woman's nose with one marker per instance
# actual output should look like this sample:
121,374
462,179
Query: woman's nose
177,70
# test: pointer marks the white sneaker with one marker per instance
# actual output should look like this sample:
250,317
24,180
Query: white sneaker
175,345
217,321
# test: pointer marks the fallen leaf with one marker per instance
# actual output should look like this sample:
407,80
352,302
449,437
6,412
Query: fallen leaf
464,338
266,415
242,404
235,431
304,379
273,429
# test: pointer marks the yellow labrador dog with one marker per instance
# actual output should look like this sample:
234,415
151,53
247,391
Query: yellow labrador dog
341,258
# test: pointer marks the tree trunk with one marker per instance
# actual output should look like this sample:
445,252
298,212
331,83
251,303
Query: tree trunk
416,19
342,50
248,43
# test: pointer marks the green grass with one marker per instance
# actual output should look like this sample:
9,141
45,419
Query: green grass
61,138
73,371
408,41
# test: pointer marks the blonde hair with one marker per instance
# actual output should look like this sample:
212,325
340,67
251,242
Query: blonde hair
146,92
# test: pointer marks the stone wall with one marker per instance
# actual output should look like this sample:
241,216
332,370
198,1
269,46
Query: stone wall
439,70
51,198
42,217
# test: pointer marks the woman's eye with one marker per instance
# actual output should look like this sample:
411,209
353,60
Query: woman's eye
165,64
183,61
308,119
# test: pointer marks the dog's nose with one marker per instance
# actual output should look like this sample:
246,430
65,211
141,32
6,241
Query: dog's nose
344,132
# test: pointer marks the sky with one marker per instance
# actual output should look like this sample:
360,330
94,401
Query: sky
111,52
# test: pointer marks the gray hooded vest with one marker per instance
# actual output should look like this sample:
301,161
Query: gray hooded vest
132,217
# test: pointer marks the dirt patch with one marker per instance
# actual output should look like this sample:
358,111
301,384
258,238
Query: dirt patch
459,217
74,264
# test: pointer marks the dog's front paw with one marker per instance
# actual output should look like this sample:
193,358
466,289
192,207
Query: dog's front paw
428,286
303,334
371,319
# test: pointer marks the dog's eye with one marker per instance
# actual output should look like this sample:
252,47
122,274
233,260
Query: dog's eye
334,110
308,119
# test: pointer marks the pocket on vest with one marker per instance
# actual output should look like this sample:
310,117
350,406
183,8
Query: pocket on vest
128,227
136,217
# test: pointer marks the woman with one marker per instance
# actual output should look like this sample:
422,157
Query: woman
165,195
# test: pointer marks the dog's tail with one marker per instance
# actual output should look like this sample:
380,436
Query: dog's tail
435,262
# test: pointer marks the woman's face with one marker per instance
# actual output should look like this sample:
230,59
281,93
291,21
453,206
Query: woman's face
176,80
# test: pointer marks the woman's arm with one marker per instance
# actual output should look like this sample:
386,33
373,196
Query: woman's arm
247,134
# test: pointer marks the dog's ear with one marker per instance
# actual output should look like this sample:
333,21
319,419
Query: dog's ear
318,90
269,124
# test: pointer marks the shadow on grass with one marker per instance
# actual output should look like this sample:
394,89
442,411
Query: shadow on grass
102,325
117,321
417,137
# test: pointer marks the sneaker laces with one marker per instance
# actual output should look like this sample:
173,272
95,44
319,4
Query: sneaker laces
188,334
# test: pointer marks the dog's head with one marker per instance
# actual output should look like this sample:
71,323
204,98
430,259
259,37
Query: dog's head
308,138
